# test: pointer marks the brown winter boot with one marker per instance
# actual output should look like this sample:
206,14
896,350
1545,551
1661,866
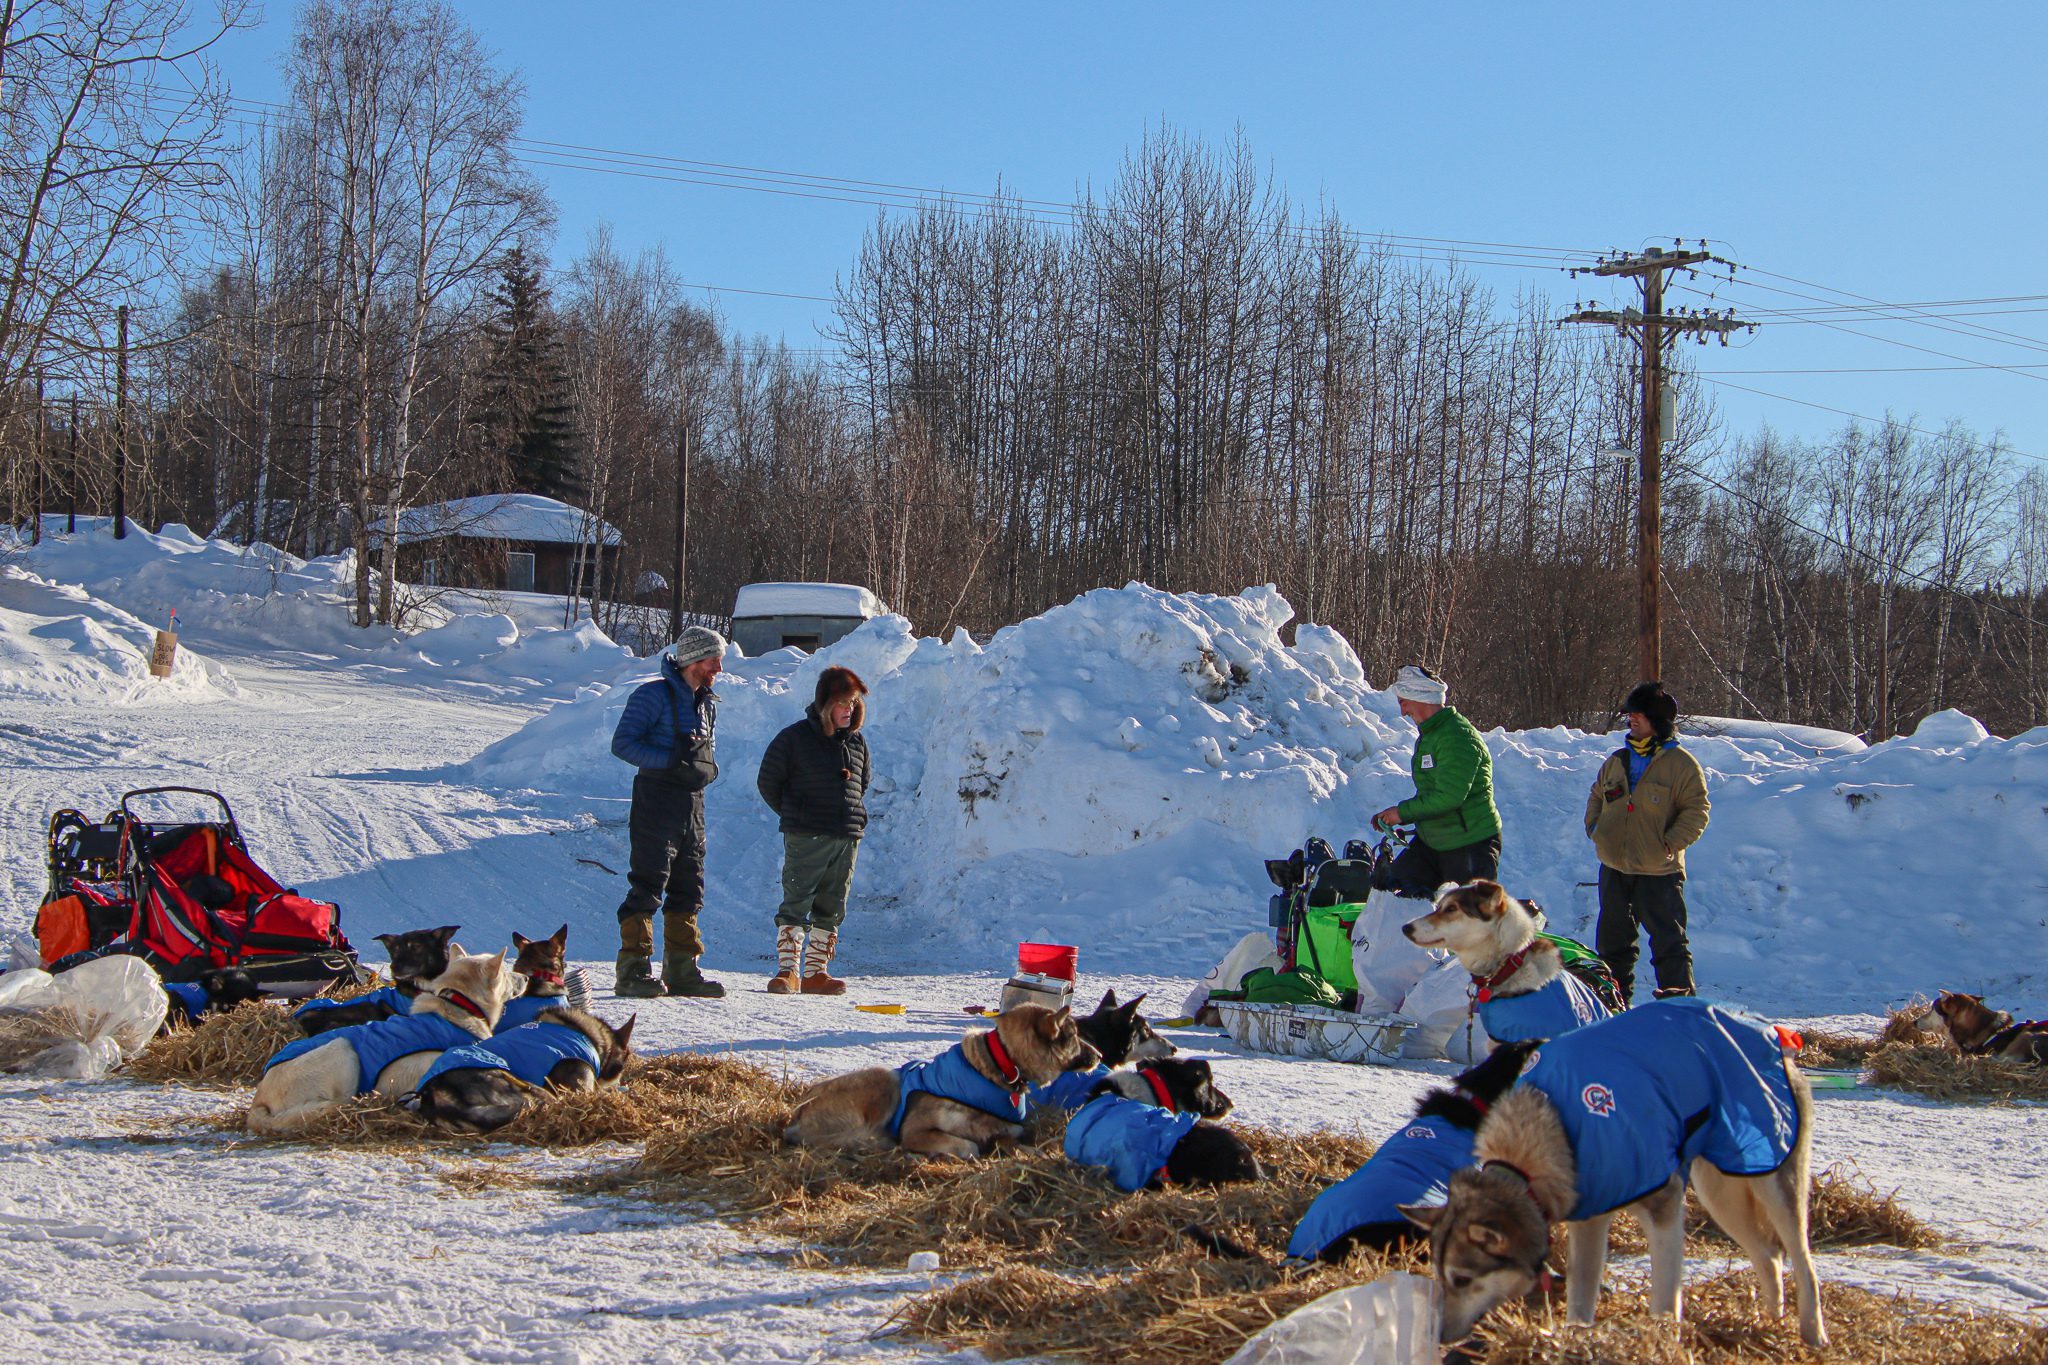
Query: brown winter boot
789,950
817,957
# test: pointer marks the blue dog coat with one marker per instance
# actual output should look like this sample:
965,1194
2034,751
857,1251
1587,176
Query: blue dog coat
524,1010
1549,1011
529,1052
189,997
1066,1094
390,996
951,1076
1414,1166
378,1045
1644,1094
1129,1139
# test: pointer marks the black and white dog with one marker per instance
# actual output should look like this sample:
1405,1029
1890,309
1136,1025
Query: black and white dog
1149,1127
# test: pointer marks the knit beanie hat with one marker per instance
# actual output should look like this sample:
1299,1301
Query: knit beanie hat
1659,707
696,642
1416,683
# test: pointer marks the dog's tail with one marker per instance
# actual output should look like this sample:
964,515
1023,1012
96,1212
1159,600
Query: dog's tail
1216,1244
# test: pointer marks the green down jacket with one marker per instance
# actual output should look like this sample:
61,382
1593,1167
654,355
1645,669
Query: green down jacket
1453,801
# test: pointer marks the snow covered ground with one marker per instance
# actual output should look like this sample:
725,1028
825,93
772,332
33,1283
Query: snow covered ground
1108,774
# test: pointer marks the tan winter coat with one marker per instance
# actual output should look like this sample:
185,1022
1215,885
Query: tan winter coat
1645,832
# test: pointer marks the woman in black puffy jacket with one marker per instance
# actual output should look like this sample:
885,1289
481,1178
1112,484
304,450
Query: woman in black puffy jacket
815,776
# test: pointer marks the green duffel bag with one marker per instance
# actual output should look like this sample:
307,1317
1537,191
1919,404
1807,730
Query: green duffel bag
1297,987
1322,943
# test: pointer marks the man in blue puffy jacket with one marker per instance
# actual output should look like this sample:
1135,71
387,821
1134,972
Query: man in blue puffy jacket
666,731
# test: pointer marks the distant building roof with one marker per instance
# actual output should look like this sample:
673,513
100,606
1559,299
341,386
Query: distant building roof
807,599
499,516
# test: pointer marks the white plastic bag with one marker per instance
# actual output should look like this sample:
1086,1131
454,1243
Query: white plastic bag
1394,1320
1252,952
82,1023
1445,1027
1386,961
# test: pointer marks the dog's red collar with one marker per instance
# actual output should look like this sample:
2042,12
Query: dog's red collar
463,1002
1000,1055
1507,969
1481,1105
1527,1183
1158,1087
551,978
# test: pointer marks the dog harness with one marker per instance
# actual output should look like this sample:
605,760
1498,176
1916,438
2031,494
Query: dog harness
1552,1009
1414,1166
393,999
1997,1042
1646,1093
1067,1093
1129,1139
529,1052
951,1076
378,1045
526,1009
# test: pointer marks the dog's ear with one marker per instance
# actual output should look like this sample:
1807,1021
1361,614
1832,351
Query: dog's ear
623,1034
386,939
1424,1216
1108,1001
521,941
560,938
1489,1238
443,934
1136,1001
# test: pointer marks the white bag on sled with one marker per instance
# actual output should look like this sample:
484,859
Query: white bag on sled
1386,961
1445,1025
1252,952
80,1024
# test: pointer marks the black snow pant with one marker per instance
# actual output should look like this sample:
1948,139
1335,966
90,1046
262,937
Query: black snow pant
1419,869
666,828
1630,904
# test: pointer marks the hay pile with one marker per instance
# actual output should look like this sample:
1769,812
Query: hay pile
1843,1210
1825,1051
222,1049
1902,1057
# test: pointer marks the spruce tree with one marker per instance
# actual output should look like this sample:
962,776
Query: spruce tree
528,422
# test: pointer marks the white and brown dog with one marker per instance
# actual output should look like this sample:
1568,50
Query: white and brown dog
1621,1116
1521,989
1977,1030
387,1057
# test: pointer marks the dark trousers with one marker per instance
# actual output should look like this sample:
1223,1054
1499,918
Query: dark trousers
666,829
1420,869
1630,904
817,872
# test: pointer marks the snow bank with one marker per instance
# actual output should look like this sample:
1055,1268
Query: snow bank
57,641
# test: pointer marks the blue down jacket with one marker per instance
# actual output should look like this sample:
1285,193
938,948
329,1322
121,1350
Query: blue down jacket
390,996
951,1076
1414,1166
529,1052
1067,1093
378,1045
1129,1139
1550,1011
1644,1094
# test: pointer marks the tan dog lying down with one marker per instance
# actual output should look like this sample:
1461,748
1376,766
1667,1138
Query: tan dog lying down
960,1103
388,1057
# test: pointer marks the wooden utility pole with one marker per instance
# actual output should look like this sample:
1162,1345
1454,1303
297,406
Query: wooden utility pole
121,423
1652,329
675,600
41,481
71,476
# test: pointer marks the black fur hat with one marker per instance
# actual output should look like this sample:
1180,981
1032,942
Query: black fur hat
1654,702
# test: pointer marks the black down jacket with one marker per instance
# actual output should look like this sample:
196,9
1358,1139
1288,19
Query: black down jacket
816,782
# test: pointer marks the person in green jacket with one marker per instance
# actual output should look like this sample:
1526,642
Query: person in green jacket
1457,827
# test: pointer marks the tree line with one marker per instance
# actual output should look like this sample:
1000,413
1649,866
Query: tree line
1189,380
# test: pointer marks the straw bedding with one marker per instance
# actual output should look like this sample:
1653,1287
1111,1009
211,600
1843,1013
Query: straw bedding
1902,1057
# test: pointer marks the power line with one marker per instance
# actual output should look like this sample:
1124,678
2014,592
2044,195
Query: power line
1844,412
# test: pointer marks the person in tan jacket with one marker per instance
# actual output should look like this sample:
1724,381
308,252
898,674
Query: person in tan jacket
1648,805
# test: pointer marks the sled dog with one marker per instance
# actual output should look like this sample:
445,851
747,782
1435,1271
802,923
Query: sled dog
959,1104
1977,1029
1206,1154
1119,1034
388,1056
1521,986
483,1086
417,956
1620,1115
541,961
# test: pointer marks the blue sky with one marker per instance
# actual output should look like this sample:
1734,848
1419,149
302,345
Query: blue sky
1890,150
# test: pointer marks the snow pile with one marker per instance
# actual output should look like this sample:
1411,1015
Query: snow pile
57,641
1112,772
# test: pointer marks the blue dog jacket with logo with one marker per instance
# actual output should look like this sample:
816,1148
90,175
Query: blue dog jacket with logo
1551,1010
378,1045
529,1052
1646,1093
526,1008
951,1076
390,997
1128,1138
1414,1166
1067,1093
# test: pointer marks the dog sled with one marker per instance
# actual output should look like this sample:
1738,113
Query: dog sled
1315,1031
186,896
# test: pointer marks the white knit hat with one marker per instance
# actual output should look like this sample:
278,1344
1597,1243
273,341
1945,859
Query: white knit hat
1416,683
696,642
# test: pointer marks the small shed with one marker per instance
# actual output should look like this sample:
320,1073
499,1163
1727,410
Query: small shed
506,542
771,616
